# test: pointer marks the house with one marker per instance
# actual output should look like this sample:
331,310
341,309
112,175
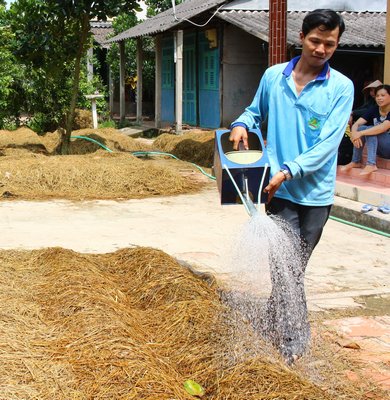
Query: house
210,54
100,30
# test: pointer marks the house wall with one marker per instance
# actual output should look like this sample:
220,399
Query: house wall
244,60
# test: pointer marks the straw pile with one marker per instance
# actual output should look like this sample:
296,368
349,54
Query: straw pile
195,146
133,324
108,137
21,139
29,141
101,175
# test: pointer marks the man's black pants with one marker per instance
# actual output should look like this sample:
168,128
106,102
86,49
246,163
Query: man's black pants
286,324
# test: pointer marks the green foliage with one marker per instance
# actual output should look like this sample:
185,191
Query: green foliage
157,6
120,24
109,123
49,41
11,76
89,87
38,122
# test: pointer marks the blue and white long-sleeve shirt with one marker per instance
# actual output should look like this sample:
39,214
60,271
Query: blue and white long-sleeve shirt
304,131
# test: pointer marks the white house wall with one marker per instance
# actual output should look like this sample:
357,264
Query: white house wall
243,63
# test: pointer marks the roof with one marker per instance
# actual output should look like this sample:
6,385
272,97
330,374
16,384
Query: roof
100,31
167,20
307,5
361,29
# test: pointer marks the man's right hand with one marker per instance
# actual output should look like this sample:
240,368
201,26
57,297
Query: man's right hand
238,134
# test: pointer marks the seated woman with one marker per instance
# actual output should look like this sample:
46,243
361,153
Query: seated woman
372,130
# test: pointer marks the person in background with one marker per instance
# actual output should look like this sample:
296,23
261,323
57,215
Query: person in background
345,150
308,105
373,131
369,95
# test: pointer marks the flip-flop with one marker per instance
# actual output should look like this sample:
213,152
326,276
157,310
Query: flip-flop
384,209
366,208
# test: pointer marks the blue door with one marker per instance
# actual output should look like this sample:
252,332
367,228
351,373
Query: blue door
189,79
209,99
167,81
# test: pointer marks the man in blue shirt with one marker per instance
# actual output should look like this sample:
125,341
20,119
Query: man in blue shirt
308,105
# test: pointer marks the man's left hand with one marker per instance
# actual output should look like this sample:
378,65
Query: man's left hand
274,184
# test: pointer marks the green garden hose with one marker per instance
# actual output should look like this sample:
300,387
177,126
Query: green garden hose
93,141
160,153
366,228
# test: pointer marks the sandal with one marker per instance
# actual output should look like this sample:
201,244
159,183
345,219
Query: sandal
366,208
384,209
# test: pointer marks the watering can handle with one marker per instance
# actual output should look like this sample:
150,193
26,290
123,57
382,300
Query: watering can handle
241,146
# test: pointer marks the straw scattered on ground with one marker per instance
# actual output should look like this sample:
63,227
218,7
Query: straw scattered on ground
133,324
30,170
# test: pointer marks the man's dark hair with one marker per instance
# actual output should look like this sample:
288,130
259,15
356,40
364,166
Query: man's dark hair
324,19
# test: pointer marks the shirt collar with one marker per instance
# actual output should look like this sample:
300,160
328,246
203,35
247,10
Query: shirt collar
324,74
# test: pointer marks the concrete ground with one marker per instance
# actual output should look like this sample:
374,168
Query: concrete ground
196,229
348,264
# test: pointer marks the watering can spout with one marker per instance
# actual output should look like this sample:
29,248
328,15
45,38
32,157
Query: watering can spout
249,206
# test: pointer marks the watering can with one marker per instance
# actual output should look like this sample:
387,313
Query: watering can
241,174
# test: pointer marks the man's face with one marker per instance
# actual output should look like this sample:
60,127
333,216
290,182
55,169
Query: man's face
319,45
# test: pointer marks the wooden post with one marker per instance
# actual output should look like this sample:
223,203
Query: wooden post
386,77
179,81
277,49
139,80
158,82
122,99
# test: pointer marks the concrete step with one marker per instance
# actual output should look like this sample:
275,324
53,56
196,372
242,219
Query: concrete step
362,189
351,211
380,177
380,162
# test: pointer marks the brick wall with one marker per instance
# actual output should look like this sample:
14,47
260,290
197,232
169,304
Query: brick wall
277,52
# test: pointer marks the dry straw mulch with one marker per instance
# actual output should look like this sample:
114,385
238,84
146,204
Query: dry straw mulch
21,139
194,146
29,170
133,324
111,138
98,176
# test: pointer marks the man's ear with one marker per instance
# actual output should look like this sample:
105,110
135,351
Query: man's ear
301,36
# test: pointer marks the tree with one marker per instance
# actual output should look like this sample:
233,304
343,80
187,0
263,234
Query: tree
11,76
157,6
54,35
120,24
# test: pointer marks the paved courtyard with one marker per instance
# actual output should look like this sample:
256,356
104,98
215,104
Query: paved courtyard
348,264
